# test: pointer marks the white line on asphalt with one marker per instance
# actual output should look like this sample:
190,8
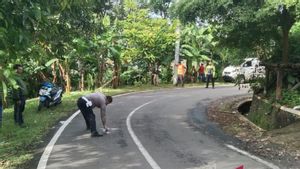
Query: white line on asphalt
44,159
253,157
145,153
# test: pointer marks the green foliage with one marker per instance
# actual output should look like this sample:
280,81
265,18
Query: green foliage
237,21
295,43
290,98
134,75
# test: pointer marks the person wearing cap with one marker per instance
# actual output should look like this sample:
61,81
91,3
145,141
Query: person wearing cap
87,103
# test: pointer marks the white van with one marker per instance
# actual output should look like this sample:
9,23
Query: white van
248,70
230,73
251,68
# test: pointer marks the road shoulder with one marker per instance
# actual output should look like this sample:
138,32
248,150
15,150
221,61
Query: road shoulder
272,145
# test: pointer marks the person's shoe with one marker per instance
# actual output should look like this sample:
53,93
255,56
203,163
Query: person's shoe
96,134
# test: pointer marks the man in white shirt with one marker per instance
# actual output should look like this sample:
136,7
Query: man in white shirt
87,103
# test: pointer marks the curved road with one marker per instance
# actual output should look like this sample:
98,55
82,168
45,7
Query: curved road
165,129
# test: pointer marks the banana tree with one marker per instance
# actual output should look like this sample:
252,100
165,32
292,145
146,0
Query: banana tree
7,79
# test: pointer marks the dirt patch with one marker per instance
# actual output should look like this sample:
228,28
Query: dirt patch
281,146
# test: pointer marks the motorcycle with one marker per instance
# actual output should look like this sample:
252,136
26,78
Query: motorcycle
49,95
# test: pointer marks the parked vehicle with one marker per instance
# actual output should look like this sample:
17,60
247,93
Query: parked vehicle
230,73
49,95
249,69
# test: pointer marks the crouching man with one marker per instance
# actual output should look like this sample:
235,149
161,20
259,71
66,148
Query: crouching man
87,103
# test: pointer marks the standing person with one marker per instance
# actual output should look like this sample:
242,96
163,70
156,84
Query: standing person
19,96
210,73
201,73
86,105
194,75
180,72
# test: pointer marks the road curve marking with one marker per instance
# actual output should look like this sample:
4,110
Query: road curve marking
253,157
44,158
138,143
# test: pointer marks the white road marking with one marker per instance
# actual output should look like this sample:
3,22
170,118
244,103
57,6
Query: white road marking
44,158
138,143
253,157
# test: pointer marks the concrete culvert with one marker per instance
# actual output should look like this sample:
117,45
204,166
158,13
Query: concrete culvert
244,107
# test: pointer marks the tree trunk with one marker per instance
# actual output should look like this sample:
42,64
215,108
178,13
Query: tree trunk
267,81
177,52
279,85
53,66
188,73
285,57
101,66
66,77
81,80
287,20
68,82
151,68
116,75
81,72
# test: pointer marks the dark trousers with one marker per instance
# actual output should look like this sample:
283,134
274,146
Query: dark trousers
181,80
88,114
201,77
210,78
18,110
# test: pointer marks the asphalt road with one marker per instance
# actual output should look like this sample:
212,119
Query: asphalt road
165,129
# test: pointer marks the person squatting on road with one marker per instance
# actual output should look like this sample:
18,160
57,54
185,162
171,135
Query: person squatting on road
87,103
180,73
210,73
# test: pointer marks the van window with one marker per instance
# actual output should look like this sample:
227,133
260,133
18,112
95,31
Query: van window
247,64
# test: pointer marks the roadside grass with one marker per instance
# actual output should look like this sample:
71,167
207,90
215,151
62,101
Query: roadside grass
17,145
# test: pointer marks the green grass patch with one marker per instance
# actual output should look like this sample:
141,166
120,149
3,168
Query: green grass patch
17,145
290,98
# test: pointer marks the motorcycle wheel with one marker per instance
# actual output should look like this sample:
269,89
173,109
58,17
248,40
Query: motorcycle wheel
47,103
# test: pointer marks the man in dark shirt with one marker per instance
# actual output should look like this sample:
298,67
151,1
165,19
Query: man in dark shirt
86,105
19,96
201,73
